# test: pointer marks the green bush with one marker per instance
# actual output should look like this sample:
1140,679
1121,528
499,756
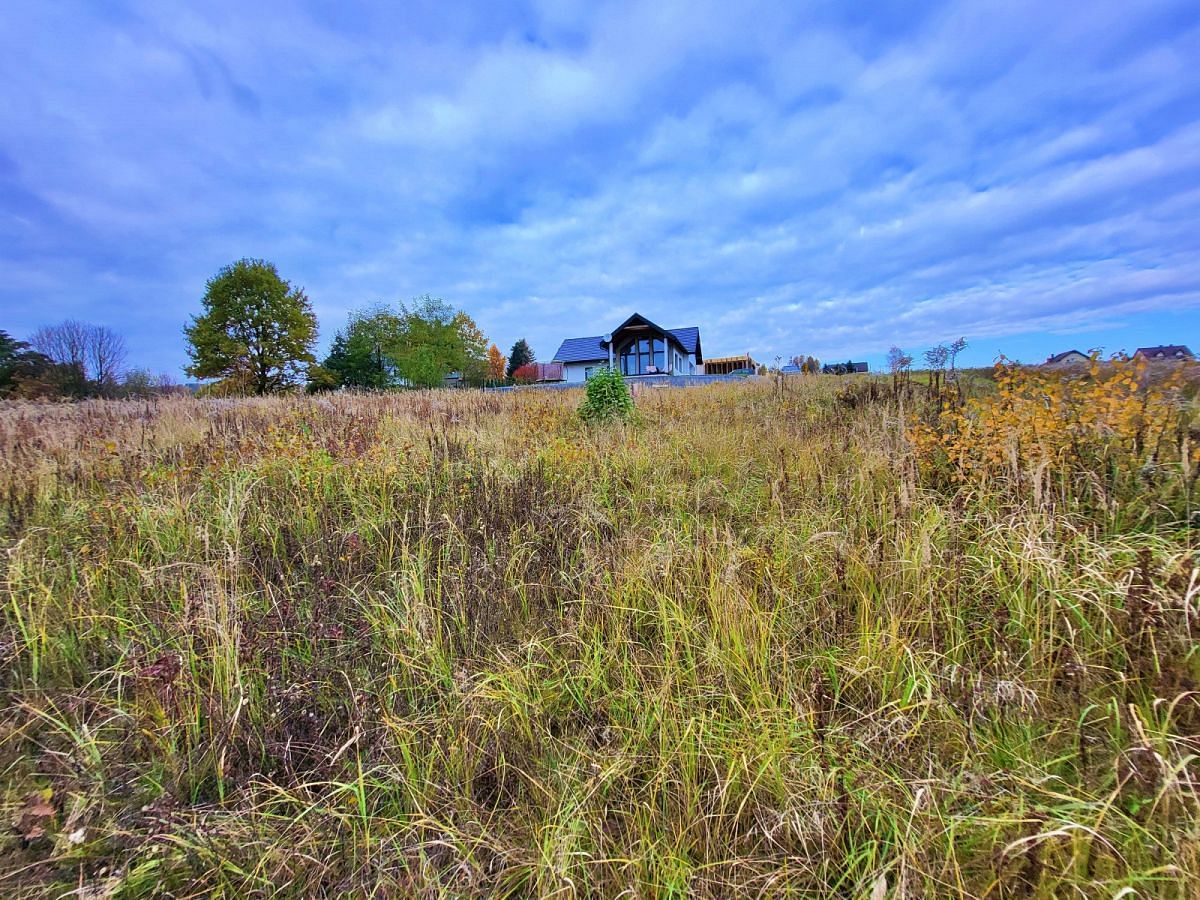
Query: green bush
607,397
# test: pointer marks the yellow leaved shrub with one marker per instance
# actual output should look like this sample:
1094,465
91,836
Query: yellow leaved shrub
1117,414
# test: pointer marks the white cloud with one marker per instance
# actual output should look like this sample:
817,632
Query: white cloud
787,179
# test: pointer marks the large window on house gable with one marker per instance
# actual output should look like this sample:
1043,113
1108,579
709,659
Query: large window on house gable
640,355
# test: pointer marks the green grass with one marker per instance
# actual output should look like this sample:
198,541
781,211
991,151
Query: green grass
462,644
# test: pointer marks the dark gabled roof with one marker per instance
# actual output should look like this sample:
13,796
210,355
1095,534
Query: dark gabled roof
594,349
1059,357
1168,351
689,339
584,349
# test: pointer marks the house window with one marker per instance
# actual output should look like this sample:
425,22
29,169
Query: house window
587,372
641,355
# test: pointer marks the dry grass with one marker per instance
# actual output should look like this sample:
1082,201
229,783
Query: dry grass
459,644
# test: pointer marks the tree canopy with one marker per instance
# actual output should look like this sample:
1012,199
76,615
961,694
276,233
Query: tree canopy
256,332
431,347
361,355
474,347
25,372
418,345
497,364
520,355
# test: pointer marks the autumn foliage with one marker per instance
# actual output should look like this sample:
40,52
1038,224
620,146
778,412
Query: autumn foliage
526,374
1041,425
496,363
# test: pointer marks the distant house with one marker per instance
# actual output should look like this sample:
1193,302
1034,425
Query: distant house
1174,352
635,347
1068,359
846,368
791,369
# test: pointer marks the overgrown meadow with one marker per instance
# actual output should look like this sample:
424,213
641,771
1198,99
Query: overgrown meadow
825,637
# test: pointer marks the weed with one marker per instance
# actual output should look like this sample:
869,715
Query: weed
839,640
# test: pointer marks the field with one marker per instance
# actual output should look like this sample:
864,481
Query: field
818,639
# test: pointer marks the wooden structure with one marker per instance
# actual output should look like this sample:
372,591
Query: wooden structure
724,365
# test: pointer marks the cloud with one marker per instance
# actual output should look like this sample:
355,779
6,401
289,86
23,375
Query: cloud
827,181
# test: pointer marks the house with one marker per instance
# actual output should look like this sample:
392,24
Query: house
635,347
1068,359
727,365
846,368
791,369
1176,352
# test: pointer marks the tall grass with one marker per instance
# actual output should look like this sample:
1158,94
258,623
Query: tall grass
462,644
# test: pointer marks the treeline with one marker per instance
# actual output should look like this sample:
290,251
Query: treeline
425,343
257,334
73,360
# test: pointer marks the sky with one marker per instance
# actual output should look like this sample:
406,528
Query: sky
825,178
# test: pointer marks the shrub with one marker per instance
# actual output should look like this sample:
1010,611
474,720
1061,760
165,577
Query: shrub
607,397
526,374
1113,419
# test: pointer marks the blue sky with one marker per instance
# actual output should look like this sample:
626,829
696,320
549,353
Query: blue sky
828,178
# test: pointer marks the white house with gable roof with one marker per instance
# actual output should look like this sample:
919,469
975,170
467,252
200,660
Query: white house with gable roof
636,347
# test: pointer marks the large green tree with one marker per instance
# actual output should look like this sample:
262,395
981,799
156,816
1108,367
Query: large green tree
256,332
362,353
431,346
521,354
417,345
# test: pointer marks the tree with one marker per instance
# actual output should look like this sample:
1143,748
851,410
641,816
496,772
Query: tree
25,372
105,359
10,353
322,379
90,358
417,345
521,354
497,364
474,347
808,365
526,374
256,331
142,384
362,354
65,344
431,346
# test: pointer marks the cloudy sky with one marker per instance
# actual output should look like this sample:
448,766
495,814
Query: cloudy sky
824,177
